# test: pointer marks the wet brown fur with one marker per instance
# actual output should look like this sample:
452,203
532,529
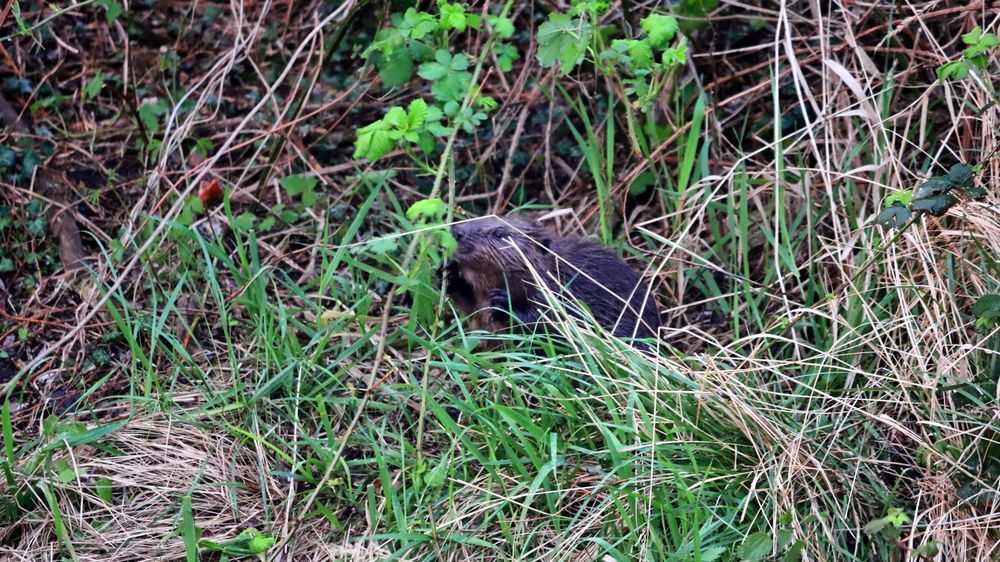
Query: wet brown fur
500,260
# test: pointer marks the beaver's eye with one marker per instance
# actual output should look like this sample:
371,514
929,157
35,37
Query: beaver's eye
498,233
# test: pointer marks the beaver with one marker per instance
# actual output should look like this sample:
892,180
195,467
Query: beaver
491,276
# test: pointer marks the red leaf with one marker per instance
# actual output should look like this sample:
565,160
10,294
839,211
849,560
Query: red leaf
210,191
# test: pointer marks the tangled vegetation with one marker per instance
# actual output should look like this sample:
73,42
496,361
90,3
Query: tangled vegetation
223,333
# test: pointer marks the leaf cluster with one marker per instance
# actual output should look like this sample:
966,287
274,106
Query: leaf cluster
935,196
975,55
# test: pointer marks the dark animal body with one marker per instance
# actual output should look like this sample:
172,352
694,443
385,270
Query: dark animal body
501,260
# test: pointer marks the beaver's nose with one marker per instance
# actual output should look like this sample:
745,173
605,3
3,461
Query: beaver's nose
459,231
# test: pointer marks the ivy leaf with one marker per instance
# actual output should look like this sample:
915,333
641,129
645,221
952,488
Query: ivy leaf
936,205
960,175
502,26
660,29
374,141
894,216
453,16
756,547
987,306
954,70
564,40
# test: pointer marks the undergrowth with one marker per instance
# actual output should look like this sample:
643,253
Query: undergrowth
259,359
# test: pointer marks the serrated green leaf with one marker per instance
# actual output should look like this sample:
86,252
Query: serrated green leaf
244,222
954,70
639,52
417,25
564,40
416,114
794,553
394,69
506,55
428,208
987,306
297,184
755,547
374,141
675,56
382,246
932,186
961,175
502,26
659,28
936,205
453,16
894,216
432,71
65,473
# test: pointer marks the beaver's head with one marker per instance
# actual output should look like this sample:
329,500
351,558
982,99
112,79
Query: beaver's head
493,246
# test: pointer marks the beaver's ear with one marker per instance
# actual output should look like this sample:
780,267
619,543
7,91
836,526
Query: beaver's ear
542,236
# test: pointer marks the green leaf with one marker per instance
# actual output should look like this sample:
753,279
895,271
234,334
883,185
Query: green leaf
374,141
112,8
448,242
64,472
429,208
933,186
502,26
297,184
936,205
506,55
896,517
453,16
244,222
756,547
642,183
416,114
564,40
794,553
104,490
93,87
417,25
150,114
987,306
961,175
903,198
382,246
488,103
394,69
675,56
954,70
260,543
660,29
639,52
894,216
